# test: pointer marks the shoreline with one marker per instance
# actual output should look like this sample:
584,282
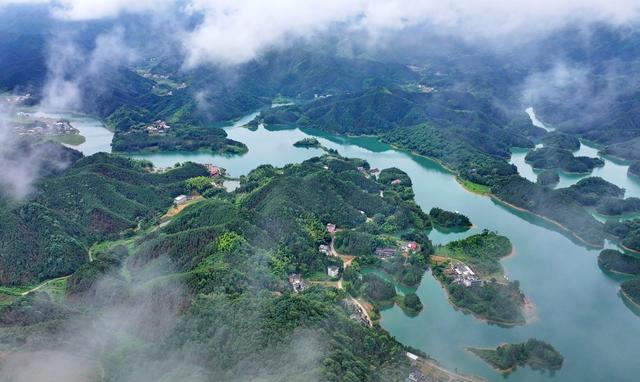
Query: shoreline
471,349
629,299
628,249
549,220
509,324
510,254
495,197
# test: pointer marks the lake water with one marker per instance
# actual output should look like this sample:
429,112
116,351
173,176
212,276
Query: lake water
578,306
613,171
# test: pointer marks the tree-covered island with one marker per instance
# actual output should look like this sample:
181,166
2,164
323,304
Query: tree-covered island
470,271
533,353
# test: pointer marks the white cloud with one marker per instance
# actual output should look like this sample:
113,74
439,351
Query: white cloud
233,32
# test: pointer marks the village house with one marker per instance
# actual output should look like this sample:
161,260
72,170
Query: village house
411,246
213,170
323,248
331,228
180,200
396,182
385,253
333,271
296,282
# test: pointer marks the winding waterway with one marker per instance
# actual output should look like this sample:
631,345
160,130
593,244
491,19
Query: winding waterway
578,306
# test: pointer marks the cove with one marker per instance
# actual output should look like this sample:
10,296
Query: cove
578,306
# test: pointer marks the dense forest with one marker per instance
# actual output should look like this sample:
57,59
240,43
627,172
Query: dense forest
616,261
631,289
561,159
533,353
561,141
634,169
98,197
448,219
548,178
221,266
628,231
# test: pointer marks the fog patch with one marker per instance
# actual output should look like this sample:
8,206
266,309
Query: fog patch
70,69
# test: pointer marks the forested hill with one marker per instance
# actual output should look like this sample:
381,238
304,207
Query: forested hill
48,235
236,250
218,272
380,110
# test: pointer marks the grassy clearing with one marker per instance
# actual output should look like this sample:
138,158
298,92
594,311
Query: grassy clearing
474,187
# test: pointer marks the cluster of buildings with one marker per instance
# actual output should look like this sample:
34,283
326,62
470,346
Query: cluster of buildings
463,275
157,127
295,280
373,172
386,253
59,127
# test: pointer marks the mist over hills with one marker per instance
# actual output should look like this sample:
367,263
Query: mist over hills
105,276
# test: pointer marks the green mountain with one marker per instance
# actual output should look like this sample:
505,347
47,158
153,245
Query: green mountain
98,197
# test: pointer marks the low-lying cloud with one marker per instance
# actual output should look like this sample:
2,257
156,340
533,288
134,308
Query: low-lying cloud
236,31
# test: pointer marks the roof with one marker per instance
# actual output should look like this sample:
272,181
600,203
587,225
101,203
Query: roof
412,356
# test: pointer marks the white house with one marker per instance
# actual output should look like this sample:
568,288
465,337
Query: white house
333,271
180,200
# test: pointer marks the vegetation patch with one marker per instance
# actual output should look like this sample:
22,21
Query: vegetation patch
557,158
616,261
533,353
631,289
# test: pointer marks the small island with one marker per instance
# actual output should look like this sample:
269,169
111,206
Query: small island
159,135
618,262
556,158
308,143
548,178
448,219
631,290
410,304
470,271
533,353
